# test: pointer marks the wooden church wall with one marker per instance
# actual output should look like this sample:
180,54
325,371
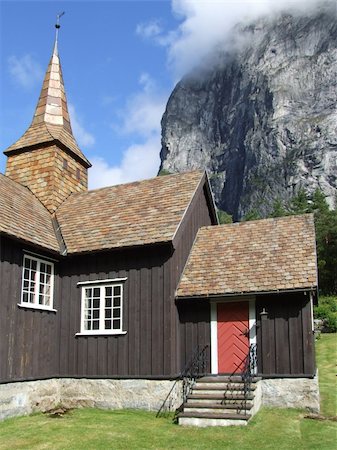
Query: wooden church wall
38,344
285,339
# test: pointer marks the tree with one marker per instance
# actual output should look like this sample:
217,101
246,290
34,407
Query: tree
279,209
224,217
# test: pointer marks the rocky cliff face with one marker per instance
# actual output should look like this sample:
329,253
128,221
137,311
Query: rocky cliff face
262,120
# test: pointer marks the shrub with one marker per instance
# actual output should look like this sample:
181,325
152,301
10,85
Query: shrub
327,312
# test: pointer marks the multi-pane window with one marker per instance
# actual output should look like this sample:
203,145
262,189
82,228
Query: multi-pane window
37,283
102,309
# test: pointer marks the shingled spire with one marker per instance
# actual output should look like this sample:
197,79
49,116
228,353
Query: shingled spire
47,158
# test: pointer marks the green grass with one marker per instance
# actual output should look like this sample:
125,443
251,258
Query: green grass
326,356
275,429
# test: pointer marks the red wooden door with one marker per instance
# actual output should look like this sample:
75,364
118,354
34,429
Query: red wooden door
233,338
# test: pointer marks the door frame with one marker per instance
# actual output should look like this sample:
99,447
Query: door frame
214,325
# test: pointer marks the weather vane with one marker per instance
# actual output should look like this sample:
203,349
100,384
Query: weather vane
57,25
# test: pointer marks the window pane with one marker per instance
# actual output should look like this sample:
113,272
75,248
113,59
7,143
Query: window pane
96,303
96,292
25,297
116,325
117,290
117,313
33,264
95,324
108,313
117,301
108,302
108,324
108,291
96,313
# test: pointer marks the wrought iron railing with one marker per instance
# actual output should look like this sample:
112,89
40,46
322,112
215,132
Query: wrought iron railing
195,368
248,374
246,369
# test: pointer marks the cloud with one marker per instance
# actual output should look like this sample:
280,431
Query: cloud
82,136
25,70
139,161
141,116
149,30
206,24
143,110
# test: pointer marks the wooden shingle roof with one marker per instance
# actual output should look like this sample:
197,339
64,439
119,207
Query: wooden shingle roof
133,214
24,217
258,256
51,120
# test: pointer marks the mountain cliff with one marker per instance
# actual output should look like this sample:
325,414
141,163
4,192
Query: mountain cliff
261,119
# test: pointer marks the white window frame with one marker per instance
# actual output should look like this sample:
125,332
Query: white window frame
102,285
35,304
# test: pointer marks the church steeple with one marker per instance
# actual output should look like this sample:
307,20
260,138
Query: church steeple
47,158
52,106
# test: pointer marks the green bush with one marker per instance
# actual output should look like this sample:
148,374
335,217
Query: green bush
327,312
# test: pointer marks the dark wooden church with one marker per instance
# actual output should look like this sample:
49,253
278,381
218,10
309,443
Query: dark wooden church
129,282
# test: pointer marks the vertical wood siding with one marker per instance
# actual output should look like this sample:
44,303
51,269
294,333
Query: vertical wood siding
36,344
28,338
285,340
194,319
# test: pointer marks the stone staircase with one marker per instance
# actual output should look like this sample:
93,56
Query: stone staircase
220,401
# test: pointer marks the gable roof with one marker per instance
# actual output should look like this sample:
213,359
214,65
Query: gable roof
133,214
258,256
23,216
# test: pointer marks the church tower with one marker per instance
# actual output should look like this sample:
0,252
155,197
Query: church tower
47,158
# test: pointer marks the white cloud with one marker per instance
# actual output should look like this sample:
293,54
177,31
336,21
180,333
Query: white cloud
82,136
149,30
141,116
143,110
139,161
25,70
205,24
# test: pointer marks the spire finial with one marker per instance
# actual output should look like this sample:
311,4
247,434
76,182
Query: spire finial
57,26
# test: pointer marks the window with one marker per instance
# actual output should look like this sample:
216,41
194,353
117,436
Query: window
102,307
37,283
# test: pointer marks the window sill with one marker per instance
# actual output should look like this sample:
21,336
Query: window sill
38,307
101,333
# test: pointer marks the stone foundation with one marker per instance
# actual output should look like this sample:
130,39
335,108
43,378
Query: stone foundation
18,399
290,393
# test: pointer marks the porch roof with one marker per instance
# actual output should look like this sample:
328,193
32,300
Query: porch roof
257,256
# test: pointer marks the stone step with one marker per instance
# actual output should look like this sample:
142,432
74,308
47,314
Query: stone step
210,405
221,386
225,409
216,415
204,422
224,379
219,397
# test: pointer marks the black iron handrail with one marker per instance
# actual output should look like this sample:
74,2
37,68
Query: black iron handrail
194,369
249,363
248,373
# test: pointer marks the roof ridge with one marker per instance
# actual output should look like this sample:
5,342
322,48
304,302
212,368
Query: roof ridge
129,183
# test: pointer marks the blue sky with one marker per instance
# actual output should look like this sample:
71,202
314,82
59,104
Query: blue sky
120,61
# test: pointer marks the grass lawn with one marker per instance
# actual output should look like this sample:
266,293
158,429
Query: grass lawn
97,429
326,356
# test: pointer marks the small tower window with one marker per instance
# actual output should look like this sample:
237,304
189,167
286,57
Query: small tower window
78,174
65,164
